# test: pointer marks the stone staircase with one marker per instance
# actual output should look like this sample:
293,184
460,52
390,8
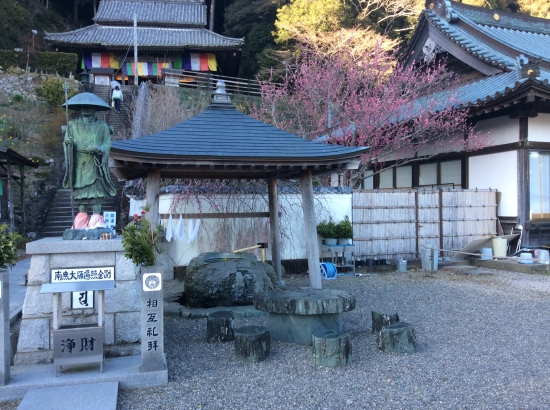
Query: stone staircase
120,122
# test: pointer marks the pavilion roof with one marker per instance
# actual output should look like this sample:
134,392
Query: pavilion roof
223,143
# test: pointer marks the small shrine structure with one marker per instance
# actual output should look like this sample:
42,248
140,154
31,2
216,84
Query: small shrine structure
223,143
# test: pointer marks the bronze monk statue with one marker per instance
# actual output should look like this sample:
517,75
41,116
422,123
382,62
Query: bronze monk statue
86,145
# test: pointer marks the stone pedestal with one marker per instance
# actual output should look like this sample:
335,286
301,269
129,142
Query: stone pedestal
122,304
294,315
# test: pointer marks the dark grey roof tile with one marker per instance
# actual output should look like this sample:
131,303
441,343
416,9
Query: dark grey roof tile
151,12
147,37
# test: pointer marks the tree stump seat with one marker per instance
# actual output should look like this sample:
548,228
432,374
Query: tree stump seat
219,326
331,348
252,343
379,320
295,314
397,338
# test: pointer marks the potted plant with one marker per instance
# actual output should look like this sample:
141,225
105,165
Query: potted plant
344,231
8,248
141,241
327,231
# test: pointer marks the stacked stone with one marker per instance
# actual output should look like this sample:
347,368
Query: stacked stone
122,304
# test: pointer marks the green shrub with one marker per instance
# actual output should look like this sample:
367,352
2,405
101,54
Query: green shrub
51,91
344,229
61,63
327,229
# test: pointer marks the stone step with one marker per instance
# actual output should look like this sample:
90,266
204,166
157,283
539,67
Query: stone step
90,396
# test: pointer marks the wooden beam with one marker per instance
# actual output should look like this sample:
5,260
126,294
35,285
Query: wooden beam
310,227
10,196
275,228
217,215
152,194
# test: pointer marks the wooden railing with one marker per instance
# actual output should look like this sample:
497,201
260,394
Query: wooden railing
207,81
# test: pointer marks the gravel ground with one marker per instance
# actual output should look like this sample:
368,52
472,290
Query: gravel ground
483,343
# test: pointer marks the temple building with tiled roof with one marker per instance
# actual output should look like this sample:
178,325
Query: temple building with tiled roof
169,34
503,62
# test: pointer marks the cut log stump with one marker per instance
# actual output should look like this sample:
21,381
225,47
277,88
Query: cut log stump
219,326
397,338
379,320
331,348
252,343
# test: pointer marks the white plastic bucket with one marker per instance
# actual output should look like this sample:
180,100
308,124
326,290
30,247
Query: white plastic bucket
486,254
499,247
401,265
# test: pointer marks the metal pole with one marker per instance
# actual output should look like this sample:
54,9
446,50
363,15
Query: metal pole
136,82
69,147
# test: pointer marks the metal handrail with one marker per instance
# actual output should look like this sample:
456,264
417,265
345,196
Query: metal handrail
207,80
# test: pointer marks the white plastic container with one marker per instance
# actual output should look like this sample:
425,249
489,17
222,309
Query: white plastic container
525,258
499,247
429,263
543,257
401,265
486,254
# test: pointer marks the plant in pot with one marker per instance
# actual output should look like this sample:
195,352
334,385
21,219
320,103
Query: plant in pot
141,241
327,230
8,248
344,231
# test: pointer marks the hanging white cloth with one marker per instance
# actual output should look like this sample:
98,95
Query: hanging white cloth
179,233
193,230
169,229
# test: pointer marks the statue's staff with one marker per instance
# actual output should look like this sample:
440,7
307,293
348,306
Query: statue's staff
69,148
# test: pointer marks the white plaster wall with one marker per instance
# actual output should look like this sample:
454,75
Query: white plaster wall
244,234
502,130
497,171
539,128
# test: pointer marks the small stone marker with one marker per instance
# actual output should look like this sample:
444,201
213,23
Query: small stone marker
379,320
152,323
219,326
331,348
252,343
397,338
5,357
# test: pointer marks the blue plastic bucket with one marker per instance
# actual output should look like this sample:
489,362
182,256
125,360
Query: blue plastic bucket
328,271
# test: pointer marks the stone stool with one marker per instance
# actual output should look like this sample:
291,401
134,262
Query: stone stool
379,320
252,343
331,348
397,338
219,326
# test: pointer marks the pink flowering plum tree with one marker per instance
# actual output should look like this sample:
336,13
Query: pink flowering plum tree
403,114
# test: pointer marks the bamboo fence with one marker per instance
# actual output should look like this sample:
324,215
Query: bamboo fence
398,223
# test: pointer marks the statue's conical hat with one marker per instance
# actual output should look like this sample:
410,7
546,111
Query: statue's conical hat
82,100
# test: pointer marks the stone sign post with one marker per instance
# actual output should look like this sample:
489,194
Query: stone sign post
152,323
5,357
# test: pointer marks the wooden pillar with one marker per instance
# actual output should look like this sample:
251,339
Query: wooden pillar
275,228
23,215
310,227
10,196
524,203
152,195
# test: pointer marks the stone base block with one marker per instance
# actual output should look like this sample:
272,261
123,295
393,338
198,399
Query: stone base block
299,328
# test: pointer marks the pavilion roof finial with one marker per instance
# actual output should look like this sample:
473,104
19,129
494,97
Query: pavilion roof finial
221,98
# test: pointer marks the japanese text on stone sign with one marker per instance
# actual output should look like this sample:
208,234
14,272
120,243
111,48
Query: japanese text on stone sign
83,274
